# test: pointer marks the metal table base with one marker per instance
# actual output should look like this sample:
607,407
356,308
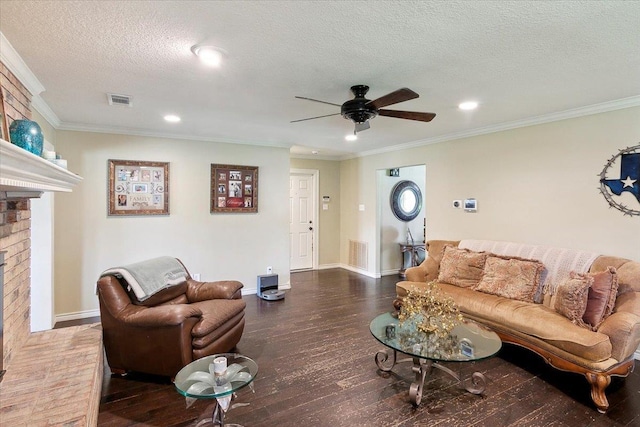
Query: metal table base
386,360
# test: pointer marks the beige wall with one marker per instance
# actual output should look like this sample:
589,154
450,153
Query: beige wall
329,220
537,184
48,131
218,246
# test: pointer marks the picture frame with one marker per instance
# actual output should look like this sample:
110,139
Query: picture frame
138,188
4,121
234,188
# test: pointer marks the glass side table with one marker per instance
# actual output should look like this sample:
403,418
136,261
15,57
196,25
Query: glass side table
198,380
472,340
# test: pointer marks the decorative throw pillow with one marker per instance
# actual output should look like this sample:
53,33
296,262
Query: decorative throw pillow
513,278
571,297
602,296
461,267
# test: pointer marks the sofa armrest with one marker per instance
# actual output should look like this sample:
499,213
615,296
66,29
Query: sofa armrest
164,315
416,274
204,291
425,272
623,326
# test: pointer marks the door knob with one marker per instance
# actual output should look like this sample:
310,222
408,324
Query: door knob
310,228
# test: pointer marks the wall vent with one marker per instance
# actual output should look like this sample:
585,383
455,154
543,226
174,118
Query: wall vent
358,254
115,99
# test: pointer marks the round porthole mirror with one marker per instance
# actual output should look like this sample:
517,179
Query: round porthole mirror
406,200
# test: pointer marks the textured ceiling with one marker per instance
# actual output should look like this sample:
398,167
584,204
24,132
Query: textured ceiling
518,59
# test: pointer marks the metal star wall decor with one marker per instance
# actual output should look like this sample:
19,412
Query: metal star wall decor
627,181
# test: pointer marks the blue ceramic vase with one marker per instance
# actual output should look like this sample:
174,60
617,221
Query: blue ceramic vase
28,135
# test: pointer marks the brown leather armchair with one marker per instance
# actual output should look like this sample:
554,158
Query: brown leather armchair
172,328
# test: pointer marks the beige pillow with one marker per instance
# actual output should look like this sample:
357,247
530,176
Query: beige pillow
602,296
512,278
461,267
571,297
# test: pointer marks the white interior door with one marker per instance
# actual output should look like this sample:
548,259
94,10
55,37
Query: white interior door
301,220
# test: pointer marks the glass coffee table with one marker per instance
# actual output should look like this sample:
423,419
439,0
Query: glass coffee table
200,379
467,342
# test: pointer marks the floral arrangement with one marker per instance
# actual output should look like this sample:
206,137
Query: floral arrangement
433,314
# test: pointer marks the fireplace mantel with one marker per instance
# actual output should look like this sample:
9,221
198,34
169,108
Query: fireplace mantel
23,174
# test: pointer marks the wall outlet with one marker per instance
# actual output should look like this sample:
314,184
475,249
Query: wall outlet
269,270
196,276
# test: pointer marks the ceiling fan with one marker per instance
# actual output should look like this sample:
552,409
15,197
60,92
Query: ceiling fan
360,109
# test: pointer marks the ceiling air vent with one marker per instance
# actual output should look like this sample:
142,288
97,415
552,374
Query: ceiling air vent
115,99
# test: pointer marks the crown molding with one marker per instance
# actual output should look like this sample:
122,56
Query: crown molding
315,157
45,111
604,107
13,61
80,127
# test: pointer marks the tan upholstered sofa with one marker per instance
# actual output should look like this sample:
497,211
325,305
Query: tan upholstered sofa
596,352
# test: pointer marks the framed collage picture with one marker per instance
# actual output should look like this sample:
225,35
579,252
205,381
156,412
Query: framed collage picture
138,188
234,188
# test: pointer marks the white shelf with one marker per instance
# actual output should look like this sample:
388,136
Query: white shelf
24,172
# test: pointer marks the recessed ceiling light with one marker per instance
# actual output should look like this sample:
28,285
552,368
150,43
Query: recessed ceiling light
172,118
209,55
314,152
468,105
351,137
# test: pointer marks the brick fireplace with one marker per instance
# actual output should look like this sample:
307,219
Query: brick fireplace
35,390
15,234
15,240
23,176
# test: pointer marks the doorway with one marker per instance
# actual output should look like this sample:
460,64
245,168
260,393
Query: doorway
303,225
396,233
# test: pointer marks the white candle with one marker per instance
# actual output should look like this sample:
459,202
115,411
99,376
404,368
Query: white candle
219,365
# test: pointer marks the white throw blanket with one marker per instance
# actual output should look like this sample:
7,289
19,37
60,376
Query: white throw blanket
149,277
558,262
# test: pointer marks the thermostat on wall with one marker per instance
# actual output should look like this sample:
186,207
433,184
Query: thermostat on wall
470,205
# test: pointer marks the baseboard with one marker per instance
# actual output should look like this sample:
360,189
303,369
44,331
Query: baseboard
390,273
360,271
355,270
329,266
77,315
96,313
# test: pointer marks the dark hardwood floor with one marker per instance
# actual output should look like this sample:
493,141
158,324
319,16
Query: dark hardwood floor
316,361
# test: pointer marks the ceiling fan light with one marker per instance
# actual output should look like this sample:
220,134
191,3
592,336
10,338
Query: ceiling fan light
351,137
468,105
209,55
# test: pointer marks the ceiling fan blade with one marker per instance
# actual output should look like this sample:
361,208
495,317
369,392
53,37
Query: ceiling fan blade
410,115
362,126
395,97
316,100
317,117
